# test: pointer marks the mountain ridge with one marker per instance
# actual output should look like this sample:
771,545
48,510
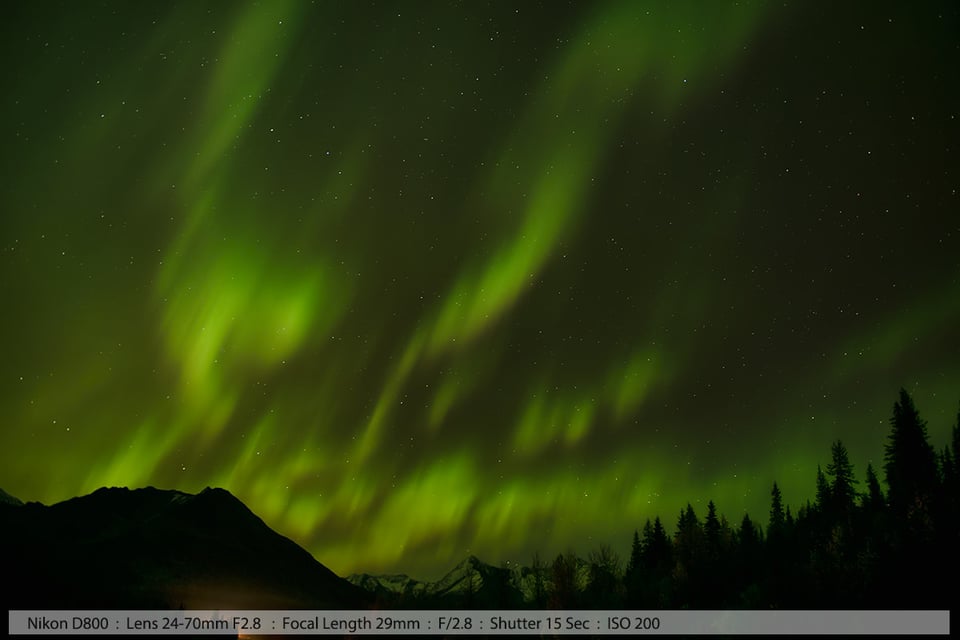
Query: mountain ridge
471,583
6,498
157,548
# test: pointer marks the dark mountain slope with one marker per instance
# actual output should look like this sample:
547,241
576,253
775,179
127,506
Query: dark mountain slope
149,548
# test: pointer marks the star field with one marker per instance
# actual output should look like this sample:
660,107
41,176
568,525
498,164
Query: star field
417,280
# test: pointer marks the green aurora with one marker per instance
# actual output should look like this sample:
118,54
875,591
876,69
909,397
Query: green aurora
417,280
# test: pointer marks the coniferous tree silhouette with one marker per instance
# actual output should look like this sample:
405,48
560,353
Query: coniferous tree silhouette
911,473
749,559
778,575
777,516
872,538
713,567
872,500
947,500
842,491
823,492
910,465
818,529
688,552
634,572
657,565
950,479
834,557
711,530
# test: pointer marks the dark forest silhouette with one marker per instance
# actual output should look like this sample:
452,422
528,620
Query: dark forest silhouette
855,546
851,547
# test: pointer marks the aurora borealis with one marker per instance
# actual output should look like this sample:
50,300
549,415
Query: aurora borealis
417,280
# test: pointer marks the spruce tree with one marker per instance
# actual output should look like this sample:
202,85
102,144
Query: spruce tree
910,463
823,491
776,512
635,554
711,529
634,573
873,498
748,547
842,492
656,548
657,564
689,534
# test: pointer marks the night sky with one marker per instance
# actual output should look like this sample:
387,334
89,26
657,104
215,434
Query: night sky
417,280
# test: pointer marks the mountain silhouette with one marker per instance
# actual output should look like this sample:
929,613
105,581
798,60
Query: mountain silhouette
157,549
472,583
6,498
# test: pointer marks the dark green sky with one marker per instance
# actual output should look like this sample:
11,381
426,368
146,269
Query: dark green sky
418,279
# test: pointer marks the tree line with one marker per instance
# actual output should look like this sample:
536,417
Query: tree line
856,545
